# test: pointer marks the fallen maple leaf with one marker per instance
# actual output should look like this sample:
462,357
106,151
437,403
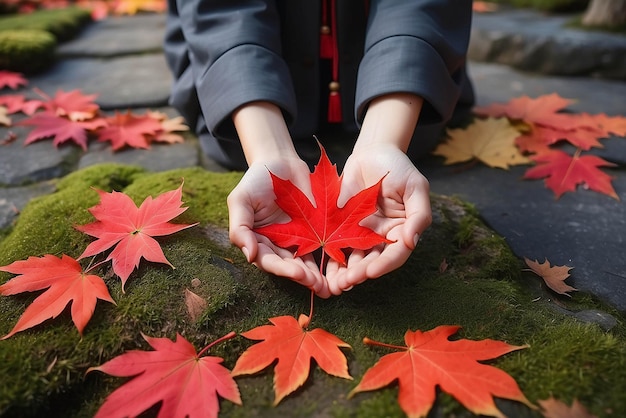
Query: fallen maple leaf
491,141
18,103
168,127
126,129
551,408
543,110
324,225
131,7
62,129
287,341
72,104
553,276
583,138
65,282
564,172
4,118
484,6
130,229
611,124
430,359
11,79
187,383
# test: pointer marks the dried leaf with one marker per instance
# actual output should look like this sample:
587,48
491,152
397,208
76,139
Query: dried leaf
551,408
195,304
553,276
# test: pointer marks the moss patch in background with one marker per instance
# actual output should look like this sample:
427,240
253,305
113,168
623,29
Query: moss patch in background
28,41
482,289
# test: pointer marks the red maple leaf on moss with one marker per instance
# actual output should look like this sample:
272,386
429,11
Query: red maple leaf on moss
64,281
120,224
127,129
564,172
186,383
431,359
62,129
323,224
287,341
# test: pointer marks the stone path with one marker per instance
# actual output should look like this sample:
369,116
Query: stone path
121,60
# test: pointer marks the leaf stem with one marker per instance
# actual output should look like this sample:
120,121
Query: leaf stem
228,336
379,344
90,267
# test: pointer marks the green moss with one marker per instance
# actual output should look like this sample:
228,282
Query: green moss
480,289
26,50
62,23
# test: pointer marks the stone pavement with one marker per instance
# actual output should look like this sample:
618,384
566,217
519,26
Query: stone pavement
121,60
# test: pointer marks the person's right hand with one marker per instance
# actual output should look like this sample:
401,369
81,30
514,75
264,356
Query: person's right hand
252,204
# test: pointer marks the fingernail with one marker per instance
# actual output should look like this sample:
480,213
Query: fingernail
416,238
246,253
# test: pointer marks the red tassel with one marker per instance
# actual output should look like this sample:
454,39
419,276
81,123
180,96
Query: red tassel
326,43
334,104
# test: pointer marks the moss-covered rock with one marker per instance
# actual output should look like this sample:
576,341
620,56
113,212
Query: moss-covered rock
63,24
479,286
26,51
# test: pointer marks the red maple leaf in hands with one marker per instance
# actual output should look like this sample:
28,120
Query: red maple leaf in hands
187,383
127,129
430,359
130,229
62,129
324,224
287,341
11,79
564,172
64,281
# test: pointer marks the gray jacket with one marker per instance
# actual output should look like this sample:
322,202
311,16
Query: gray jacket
224,53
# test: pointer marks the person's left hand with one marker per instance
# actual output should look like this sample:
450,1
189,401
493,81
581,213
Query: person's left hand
403,213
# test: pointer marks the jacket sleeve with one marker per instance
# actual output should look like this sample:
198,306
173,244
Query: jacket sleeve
235,55
419,47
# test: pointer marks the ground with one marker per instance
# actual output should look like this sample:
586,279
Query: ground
483,289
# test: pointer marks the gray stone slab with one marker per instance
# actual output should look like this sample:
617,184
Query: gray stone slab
160,157
117,35
121,83
39,161
585,230
529,40
13,200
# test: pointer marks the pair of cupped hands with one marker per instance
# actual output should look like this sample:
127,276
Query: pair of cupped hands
403,213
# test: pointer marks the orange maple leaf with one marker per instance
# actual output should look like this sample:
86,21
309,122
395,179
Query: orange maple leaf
543,110
127,129
611,124
430,359
129,229
484,6
323,225
11,79
287,341
553,276
168,128
564,172
552,408
65,282
185,382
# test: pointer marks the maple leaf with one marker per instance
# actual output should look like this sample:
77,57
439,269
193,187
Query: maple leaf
65,282
491,141
430,359
484,6
72,104
4,118
11,80
126,129
187,383
543,110
130,229
131,7
611,124
324,225
168,127
583,138
564,172
18,103
287,341
553,276
551,408
62,129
